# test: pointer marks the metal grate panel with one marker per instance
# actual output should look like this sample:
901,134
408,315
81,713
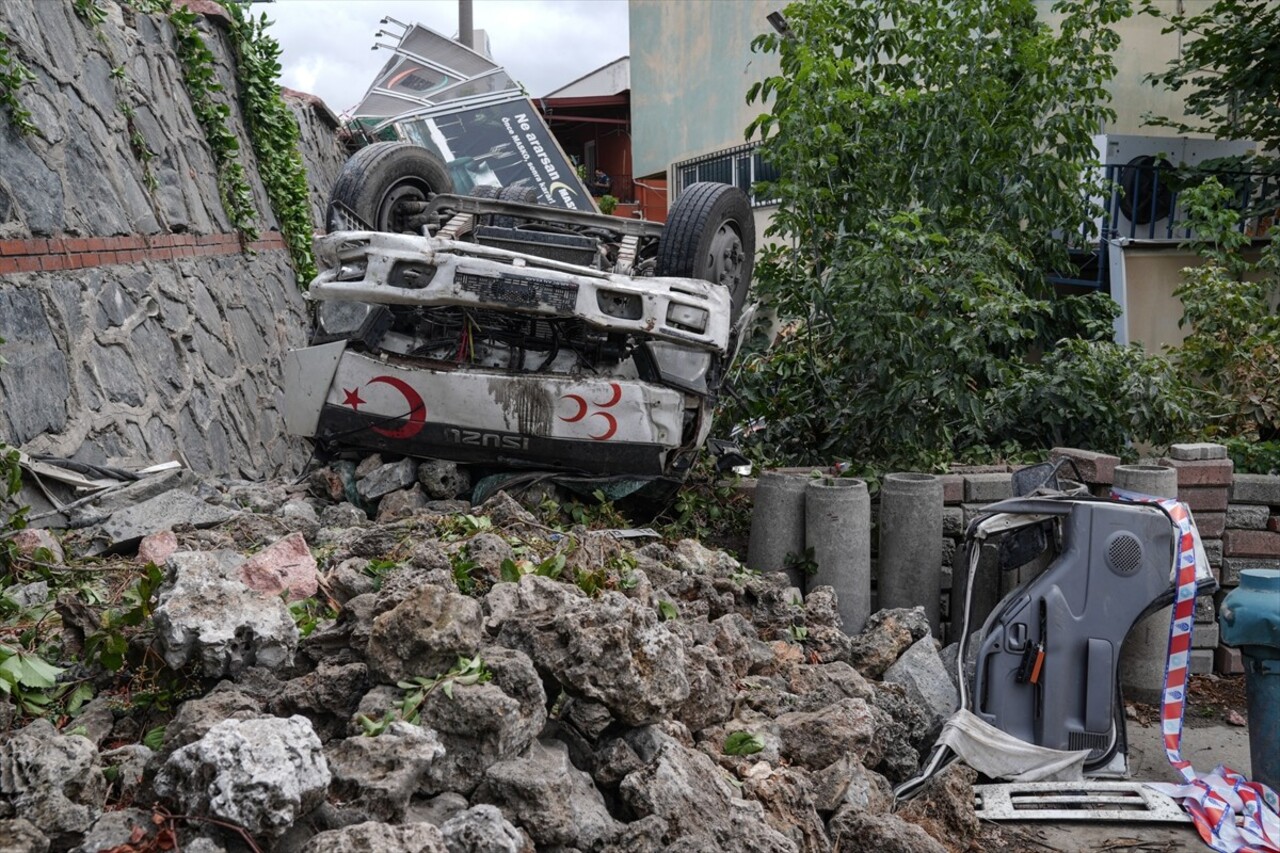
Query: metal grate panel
1102,801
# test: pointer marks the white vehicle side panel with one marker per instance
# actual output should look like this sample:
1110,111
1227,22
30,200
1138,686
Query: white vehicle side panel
579,408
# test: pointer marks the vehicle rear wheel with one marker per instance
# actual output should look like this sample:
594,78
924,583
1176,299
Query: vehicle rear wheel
378,180
710,234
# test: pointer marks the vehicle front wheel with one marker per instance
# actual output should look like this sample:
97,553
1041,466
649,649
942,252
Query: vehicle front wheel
710,234
379,184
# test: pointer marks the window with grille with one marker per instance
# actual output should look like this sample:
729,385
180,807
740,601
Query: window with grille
742,167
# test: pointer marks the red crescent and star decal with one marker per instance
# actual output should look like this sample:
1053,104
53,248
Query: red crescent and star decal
417,409
611,423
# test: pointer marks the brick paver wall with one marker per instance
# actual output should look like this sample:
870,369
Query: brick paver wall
39,254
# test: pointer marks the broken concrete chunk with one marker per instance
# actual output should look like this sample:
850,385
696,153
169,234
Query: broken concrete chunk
484,723
570,636
125,497
386,479
22,834
115,830
424,634
944,808
692,794
207,616
443,480
125,528
372,837
197,716
380,774
483,829
52,780
261,774
342,515
788,806
888,633
818,739
921,672
557,804
852,828
401,504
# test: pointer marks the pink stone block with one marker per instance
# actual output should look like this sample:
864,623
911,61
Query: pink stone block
157,547
31,539
285,566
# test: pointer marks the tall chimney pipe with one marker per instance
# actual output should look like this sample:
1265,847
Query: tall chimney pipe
466,26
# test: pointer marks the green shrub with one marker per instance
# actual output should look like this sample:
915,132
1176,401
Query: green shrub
929,159
1231,355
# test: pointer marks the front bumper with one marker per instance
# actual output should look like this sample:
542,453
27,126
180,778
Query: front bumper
407,270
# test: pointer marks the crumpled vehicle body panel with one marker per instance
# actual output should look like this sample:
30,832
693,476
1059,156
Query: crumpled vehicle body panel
493,329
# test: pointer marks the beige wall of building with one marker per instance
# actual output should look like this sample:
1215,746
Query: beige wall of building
1151,310
691,66
1143,50
1148,277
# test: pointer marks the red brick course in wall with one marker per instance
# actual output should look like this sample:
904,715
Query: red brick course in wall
1201,472
40,254
1211,524
1251,543
1204,498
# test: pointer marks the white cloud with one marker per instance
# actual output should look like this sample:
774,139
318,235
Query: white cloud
542,43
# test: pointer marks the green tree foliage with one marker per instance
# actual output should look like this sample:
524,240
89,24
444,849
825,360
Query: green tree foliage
931,157
1229,67
1232,351
13,76
1229,70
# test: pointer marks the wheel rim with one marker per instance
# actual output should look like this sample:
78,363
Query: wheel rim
726,259
390,218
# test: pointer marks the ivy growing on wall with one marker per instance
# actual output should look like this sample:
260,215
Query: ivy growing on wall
202,86
13,76
273,130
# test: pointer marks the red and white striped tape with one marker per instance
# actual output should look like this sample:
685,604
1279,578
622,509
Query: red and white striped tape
1232,814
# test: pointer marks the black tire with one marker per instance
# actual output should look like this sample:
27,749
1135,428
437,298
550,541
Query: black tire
523,195
486,192
710,234
380,176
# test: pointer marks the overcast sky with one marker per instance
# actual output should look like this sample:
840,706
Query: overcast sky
543,44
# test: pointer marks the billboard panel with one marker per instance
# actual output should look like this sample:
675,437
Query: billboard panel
500,145
425,66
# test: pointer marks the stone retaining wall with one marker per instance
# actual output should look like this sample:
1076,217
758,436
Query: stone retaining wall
139,328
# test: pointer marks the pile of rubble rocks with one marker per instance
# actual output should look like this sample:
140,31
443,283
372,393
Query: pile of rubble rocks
480,682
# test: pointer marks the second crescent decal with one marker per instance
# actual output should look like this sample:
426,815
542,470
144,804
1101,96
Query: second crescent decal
583,411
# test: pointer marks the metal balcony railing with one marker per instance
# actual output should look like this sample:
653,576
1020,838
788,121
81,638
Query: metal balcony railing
1145,200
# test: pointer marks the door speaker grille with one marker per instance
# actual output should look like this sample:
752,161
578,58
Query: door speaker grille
1124,553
